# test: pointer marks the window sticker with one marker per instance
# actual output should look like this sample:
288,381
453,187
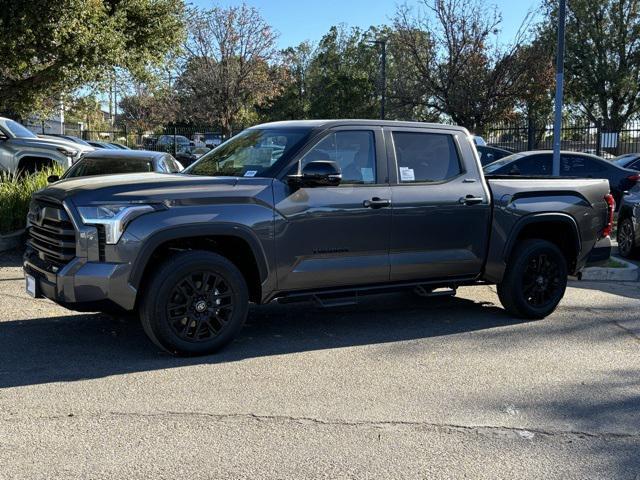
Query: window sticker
367,175
407,175
250,173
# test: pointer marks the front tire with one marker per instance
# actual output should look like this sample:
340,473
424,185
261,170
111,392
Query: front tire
535,280
195,303
627,238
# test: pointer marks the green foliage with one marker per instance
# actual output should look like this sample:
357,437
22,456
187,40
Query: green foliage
15,196
86,110
53,48
602,60
228,65
343,75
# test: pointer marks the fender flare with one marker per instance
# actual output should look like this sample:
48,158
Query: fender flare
151,243
534,218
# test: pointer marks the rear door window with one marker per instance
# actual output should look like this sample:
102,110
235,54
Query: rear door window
533,165
426,157
578,166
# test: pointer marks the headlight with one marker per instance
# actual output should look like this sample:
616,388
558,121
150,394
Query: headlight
114,218
67,152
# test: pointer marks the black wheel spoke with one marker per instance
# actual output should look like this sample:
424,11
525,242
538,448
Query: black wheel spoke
540,281
199,306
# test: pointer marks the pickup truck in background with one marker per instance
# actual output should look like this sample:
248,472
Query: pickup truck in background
310,209
21,150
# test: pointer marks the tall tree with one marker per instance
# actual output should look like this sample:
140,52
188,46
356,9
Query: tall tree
293,101
227,68
343,75
53,48
460,69
602,58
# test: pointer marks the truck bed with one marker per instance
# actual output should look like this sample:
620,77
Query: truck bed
518,200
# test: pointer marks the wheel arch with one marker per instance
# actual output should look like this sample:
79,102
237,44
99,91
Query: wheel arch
235,242
558,228
37,159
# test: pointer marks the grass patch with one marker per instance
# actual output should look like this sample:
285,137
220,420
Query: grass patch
15,196
614,264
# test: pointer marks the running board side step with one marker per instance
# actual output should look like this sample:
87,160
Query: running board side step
425,291
328,301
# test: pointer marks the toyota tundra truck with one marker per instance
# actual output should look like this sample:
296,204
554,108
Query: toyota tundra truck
327,210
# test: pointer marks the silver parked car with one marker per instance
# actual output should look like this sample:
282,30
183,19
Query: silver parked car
22,150
109,162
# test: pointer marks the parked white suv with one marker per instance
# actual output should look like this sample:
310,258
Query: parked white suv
23,150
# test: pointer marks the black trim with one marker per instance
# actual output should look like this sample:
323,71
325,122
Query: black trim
197,230
600,254
541,218
372,288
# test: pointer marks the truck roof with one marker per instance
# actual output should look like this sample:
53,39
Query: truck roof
348,122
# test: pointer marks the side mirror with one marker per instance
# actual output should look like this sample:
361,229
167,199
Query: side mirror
320,173
53,178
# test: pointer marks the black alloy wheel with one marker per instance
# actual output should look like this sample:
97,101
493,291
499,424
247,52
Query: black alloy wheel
626,238
535,279
194,303
541,280
200,306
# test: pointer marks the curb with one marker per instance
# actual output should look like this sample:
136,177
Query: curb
627,274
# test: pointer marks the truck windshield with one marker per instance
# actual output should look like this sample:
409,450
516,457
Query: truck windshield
16,130
250,153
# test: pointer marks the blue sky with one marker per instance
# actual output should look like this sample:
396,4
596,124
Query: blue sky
297,21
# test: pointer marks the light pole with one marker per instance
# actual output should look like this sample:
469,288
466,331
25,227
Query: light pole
557,126
383,74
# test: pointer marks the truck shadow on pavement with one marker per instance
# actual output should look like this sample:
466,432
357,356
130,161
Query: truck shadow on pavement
86,346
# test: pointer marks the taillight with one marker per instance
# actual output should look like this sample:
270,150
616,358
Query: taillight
634,178
611,204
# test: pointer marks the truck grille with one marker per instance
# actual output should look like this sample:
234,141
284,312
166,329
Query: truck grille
51,233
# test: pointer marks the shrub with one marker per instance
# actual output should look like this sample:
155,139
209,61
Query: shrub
15,195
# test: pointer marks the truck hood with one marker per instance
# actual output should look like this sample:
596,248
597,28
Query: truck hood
178,189
51,143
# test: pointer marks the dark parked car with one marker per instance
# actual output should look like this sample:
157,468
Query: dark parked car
321,209
490,154
166,143
629,160
119,146
69,138
107,162
102,145
629,224
572,164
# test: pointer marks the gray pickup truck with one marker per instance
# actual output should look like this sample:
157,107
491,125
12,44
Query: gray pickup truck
21,150
310,209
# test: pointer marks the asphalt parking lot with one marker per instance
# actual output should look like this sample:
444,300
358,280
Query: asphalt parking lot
396,387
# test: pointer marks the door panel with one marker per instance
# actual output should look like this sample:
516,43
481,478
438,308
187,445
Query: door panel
336,236
327,238
439,227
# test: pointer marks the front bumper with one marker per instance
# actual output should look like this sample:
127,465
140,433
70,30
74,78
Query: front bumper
82,285
600,253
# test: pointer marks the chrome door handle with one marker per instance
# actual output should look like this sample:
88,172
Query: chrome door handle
471,200
376,202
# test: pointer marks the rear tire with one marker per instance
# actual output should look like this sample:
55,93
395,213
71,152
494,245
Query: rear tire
627,239
535,280
195,303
